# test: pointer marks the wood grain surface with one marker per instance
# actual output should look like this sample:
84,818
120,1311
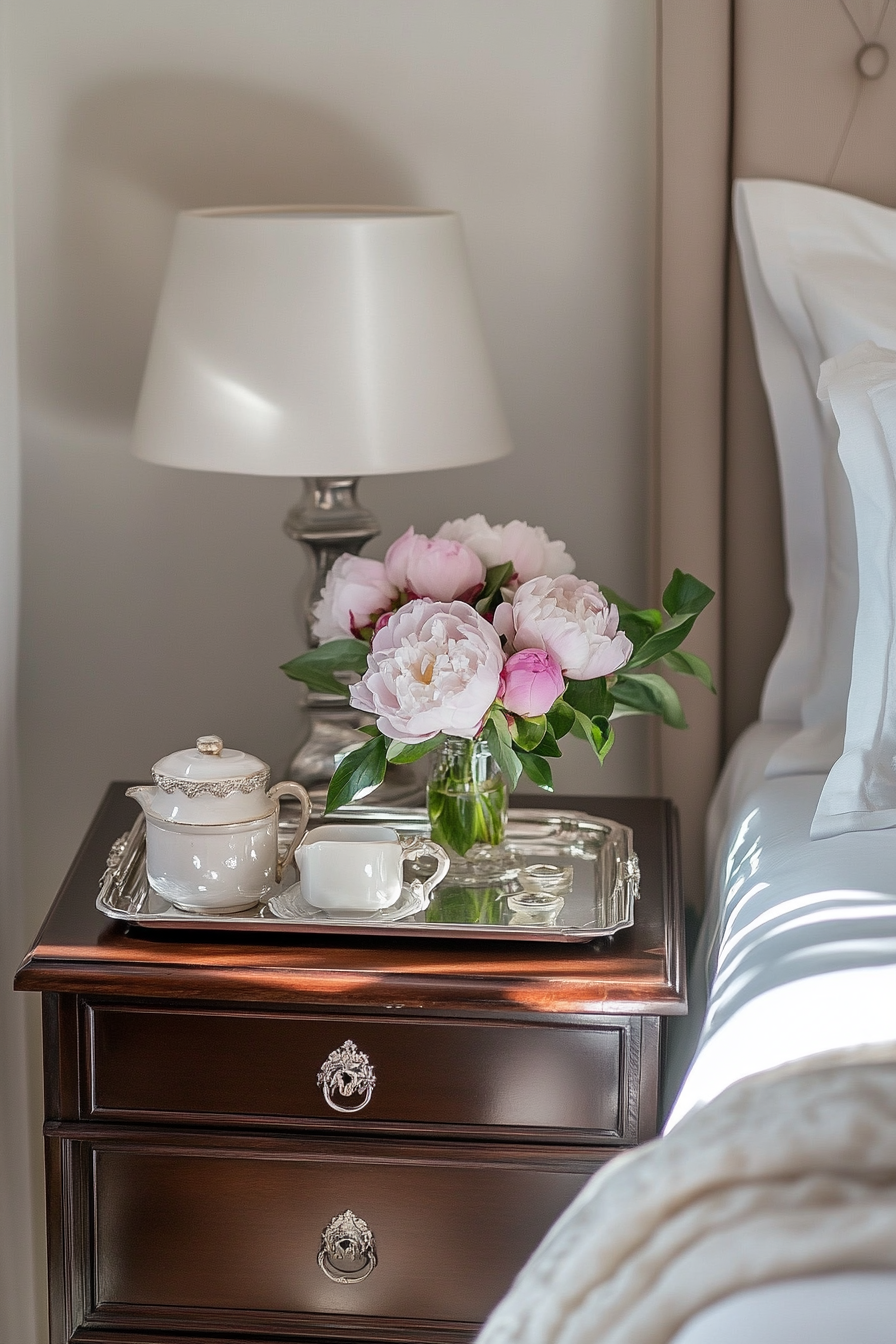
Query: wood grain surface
187,1228
193,1161
80,950
180,1065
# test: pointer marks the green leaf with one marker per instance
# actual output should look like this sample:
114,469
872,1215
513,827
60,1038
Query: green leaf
621,711
500,744
582,726
693,666
548,745
602,737
618,602
538,770
597,732
403,753
363,768
561,718
369,730
685,595
495,578
663,641
316,667
649,615
637,627
650,693
316,679
591,697
527,733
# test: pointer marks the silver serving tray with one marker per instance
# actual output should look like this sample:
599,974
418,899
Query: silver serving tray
599,902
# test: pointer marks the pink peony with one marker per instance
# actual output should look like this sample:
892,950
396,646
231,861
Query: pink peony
441,570
571,620
530,683
434,667
354,596
529,548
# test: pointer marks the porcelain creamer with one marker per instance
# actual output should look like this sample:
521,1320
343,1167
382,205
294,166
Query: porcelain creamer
361,868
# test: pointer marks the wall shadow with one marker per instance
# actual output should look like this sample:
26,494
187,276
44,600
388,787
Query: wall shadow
137,151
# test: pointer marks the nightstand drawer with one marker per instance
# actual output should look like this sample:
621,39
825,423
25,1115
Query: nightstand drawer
360,1073
227,1237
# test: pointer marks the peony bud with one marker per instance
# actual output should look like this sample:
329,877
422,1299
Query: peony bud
530,683
441,570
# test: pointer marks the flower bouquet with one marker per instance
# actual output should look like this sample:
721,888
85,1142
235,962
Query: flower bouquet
481,646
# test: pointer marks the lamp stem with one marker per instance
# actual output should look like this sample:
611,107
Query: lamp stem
329,521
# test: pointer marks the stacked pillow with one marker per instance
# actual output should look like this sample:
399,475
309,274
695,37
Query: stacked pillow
860,790
820,273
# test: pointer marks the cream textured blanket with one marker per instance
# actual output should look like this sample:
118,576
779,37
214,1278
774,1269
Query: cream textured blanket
785,1174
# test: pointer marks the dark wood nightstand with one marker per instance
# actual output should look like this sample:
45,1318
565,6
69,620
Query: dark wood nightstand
193,1161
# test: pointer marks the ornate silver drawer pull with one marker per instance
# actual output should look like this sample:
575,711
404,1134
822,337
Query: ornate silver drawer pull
349,1073
346,1240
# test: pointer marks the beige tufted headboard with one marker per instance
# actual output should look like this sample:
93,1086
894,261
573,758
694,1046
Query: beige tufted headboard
801,89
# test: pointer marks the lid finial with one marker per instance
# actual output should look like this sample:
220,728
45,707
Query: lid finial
210,746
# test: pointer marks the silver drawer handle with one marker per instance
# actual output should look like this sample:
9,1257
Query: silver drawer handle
347,1238
348,1072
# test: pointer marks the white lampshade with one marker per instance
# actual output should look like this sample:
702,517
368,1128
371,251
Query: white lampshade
318,342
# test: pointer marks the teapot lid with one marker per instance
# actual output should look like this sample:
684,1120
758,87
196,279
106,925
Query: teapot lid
210,768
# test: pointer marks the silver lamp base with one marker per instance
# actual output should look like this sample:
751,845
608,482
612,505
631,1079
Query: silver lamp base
329,521
332,731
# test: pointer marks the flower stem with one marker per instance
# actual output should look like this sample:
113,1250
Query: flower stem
467,797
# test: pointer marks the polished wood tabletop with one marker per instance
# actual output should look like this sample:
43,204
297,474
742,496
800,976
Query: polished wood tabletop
641,970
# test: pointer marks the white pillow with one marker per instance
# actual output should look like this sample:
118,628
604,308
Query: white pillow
859,794
820,273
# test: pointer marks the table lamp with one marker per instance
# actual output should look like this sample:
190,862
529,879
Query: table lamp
327,343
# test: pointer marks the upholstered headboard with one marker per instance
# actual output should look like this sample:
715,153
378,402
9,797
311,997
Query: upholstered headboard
801,89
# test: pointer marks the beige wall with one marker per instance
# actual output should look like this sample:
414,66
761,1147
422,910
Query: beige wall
158,604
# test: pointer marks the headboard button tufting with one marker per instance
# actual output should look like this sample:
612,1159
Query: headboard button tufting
872,60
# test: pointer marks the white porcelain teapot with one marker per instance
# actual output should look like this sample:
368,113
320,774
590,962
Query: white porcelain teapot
212,826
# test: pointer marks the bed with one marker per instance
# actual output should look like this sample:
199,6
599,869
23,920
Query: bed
798,932
797,950
767,1211
768,1208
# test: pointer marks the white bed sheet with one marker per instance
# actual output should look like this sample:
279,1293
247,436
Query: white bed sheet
798,944
796,956
836,1309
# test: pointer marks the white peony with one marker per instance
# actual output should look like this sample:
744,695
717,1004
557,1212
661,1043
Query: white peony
571,620
434,667
355,595
530,548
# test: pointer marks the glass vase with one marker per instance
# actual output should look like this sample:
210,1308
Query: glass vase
467,803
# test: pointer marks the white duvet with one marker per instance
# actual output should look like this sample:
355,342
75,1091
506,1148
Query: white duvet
798,943
777,1171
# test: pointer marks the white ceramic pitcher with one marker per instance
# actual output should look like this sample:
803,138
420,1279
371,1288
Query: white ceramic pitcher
353,868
